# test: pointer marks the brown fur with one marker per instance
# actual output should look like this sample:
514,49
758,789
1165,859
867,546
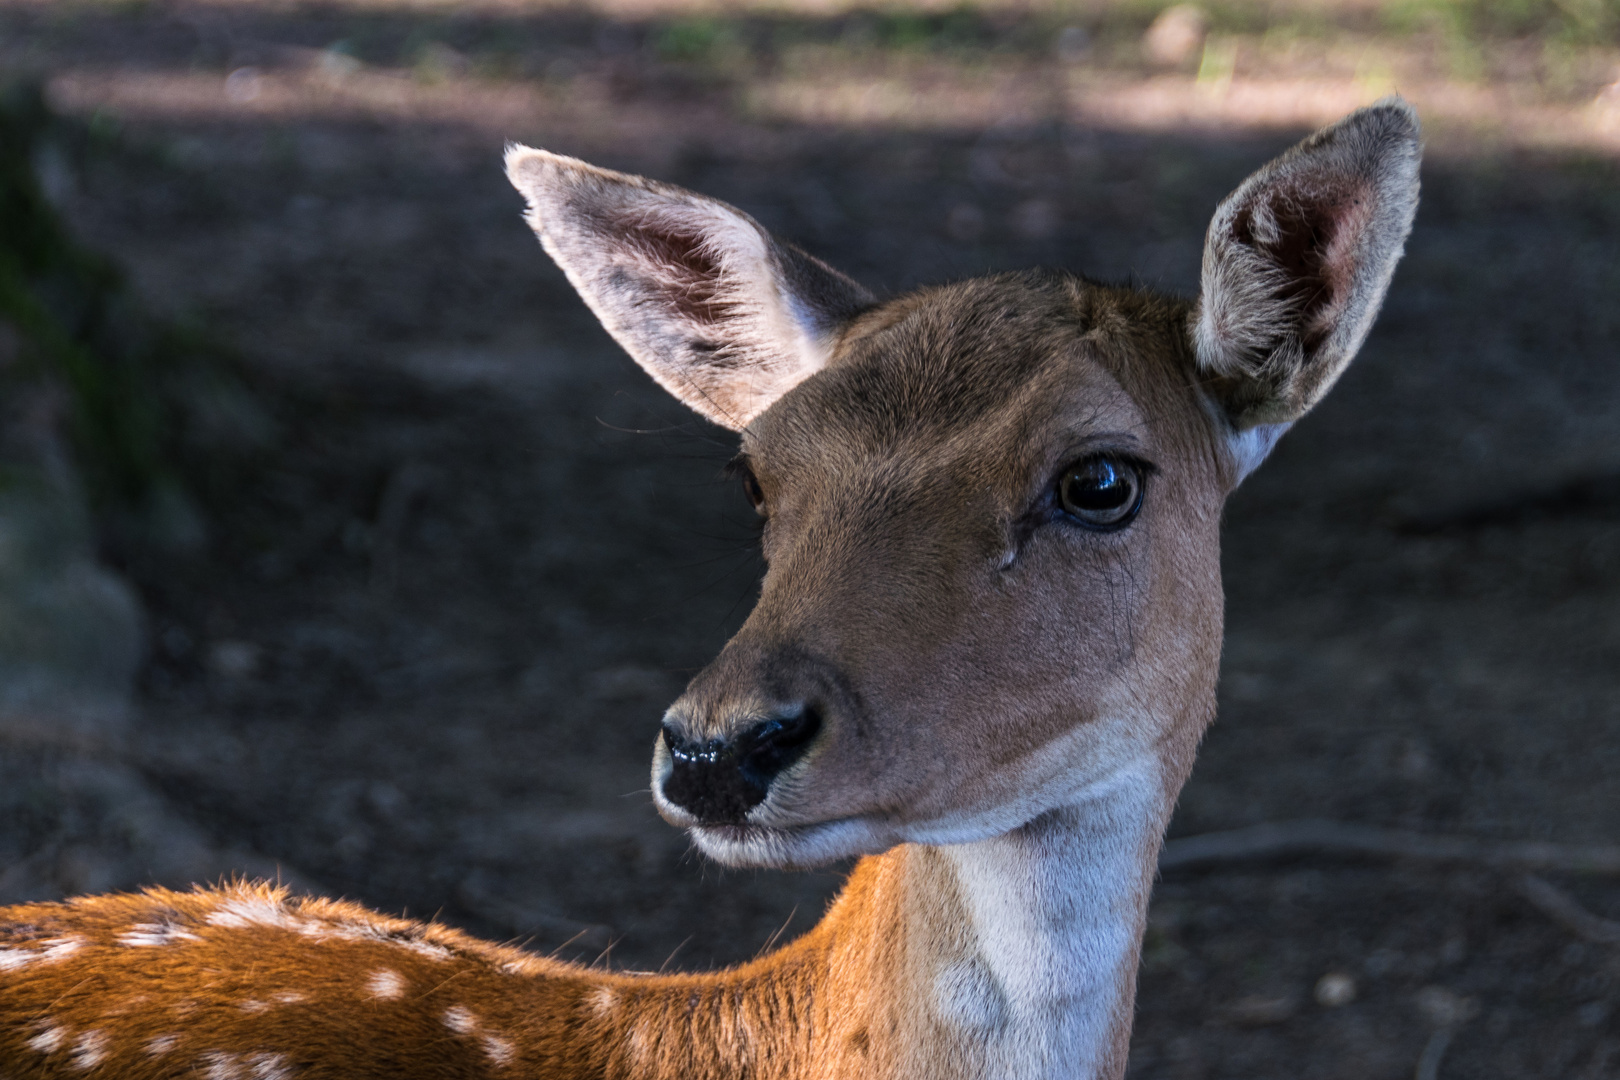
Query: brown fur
257,984
884,502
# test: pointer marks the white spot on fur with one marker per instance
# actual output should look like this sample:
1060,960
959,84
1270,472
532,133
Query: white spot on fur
427,949
385,984
89,1049
1251,446
59,948
128,1005
49,1040
602,1000
143,935
370,932
159,1045
638,1043
268,1067
241,914
254,1005
460,1020
49,952
288,997
500,1051
1246,448
218,1065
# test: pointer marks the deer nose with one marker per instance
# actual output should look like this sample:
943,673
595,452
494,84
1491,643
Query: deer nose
719,781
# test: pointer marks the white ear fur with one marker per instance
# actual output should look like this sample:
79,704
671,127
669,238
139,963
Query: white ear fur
721,315
1296,264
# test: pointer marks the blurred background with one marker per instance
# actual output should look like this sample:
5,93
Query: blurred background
337,543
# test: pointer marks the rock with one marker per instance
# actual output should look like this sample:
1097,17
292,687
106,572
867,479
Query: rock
1445,1008
1261,1010
234,659
71,631
1334,990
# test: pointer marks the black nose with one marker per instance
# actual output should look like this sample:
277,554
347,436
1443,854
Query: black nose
719,780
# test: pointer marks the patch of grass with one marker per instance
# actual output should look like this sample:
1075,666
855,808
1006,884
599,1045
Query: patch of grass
700,40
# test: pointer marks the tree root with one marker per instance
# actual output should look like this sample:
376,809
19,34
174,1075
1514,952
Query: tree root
1567,912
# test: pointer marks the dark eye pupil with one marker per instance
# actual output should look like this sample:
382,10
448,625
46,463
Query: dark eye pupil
1101,492
1096,486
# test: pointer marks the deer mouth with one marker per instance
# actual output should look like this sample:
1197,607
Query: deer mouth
794,846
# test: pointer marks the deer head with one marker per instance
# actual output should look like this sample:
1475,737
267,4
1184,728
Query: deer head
990,508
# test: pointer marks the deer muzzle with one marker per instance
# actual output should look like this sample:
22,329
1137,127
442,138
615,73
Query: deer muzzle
719,780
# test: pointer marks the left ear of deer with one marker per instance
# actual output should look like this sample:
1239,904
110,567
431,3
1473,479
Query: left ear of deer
721,315
1296,263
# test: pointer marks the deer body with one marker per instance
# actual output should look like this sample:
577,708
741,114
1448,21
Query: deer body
913,972
984,651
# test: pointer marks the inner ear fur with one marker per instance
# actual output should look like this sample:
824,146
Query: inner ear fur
1297,261
719,313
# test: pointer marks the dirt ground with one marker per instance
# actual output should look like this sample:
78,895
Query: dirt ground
420,662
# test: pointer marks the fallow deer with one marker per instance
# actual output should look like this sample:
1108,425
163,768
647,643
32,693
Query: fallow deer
984,652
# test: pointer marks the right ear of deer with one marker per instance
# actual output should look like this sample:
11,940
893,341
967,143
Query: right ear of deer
1296,263
723,316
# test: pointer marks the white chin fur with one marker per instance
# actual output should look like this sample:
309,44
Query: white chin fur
796,848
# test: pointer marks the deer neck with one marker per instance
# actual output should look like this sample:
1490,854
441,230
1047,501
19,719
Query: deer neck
1029,970
1012,957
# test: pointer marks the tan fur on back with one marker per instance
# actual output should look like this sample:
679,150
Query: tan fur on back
157,981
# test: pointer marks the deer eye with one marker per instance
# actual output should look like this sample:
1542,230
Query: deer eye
1101,492
751,488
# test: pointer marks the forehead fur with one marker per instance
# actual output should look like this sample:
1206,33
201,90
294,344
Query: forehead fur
943,359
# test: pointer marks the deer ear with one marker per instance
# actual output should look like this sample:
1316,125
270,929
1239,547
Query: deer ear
1296,264
720,314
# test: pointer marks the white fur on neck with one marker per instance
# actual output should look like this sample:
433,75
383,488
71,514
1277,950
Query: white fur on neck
1056,911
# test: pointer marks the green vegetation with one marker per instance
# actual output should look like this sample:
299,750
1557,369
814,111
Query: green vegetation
145,400
1572,22
728,41
744,40
1465,30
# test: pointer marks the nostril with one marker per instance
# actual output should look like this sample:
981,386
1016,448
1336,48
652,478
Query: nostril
772,745
721,780
706,779
694,751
